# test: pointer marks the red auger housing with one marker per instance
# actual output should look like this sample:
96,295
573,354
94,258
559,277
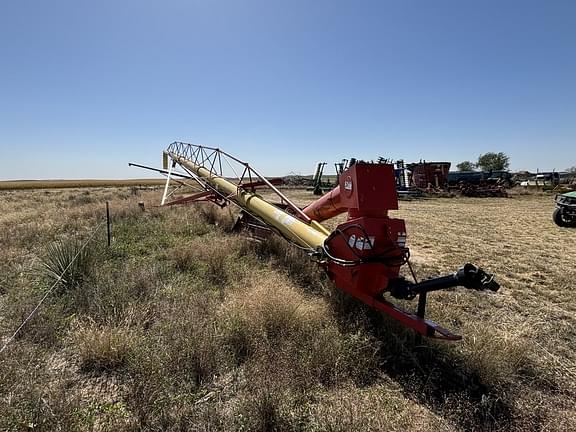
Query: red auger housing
367,250
365,253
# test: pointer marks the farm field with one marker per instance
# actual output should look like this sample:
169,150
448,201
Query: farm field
183,325
65,184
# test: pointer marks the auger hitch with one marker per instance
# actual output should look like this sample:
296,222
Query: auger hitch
468,276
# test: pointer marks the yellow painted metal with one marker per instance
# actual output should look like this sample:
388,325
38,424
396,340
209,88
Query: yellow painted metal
319,227
165,160
306,235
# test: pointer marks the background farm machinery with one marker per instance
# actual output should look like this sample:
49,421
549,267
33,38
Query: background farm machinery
402,176
363,255
480,183
321,184
424,177
434,177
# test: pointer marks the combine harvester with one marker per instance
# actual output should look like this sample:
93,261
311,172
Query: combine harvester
362,256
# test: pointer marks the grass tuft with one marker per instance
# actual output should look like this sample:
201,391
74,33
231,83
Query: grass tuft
67,260
223,218
102,347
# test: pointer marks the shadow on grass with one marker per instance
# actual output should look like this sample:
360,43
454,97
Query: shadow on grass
436,374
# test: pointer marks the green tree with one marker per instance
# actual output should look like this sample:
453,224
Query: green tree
466,166
493,161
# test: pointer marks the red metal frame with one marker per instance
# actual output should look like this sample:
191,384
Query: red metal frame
213,197
367,251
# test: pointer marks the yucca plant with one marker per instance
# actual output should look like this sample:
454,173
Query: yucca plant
66,259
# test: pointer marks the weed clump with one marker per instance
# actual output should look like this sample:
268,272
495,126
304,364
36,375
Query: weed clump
213,215
208,259
181,354
80,199
264,409
111,291
103,347
270,323
67,262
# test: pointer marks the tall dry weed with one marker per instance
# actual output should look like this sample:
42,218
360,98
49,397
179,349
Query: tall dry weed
271,323
103,347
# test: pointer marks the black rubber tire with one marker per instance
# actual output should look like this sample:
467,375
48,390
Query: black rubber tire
559,219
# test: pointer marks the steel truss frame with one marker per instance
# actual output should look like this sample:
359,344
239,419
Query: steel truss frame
216,161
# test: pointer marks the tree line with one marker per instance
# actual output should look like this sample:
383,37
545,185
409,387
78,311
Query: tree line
493,162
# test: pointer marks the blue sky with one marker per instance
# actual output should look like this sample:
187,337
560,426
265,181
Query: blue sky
88,86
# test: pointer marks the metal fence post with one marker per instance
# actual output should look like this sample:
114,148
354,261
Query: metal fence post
108,221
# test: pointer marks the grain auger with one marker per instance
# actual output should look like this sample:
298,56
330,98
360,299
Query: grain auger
362,256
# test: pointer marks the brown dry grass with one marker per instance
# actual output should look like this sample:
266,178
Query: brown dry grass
181,325
67,184
102,347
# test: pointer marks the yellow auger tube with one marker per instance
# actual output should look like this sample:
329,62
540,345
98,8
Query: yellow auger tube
306,235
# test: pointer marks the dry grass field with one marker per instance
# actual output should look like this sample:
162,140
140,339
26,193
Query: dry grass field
66,184
182,325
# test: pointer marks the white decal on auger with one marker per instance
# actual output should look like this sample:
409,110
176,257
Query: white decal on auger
401,241
361,243
283,218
